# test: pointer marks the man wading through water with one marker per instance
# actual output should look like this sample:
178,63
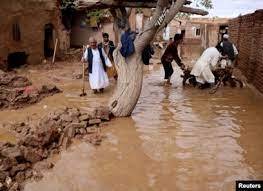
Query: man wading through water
170,54
230,50
97,65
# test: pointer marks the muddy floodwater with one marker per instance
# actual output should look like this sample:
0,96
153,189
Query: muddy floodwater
176,139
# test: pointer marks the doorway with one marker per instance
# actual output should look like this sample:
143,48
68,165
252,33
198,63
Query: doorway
48,40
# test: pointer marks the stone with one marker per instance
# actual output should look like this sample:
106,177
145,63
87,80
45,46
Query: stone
43,136
3,175
54,116
33,155
80,125
14,187
103,113
24,132
79,136
3,187
12,152
90,130
50,165
73,112
66,118
43,165
20,177
7,163
65,108
59,112
70,130
75,120
30,140
47,89
94,121
45,153
92,114
8,181
29,173
54,152
17,168
83,131
84,117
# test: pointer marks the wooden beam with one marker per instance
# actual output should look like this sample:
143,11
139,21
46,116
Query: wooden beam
195,11
102,4
89,5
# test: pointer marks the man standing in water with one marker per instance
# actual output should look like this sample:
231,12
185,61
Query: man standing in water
170,54
97,65
230,50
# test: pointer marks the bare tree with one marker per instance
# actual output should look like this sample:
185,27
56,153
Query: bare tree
130,69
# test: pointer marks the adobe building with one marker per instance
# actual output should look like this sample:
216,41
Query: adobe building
30,28
200,33
84,27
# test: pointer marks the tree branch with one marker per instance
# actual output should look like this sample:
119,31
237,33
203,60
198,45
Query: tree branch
101,4
82,4
150,28
174,9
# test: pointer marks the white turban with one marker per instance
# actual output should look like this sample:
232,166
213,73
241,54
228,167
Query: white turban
226,36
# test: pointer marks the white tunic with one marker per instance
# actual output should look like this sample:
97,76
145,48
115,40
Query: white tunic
202,69
98,78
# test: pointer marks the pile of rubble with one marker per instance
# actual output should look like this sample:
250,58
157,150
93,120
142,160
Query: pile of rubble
53,133
17,91
73,54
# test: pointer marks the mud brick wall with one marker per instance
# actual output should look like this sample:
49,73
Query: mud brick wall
32,16
246,32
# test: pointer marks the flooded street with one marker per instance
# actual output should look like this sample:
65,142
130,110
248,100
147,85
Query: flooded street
177,138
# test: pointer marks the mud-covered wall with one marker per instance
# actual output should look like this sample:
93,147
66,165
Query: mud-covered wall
31,16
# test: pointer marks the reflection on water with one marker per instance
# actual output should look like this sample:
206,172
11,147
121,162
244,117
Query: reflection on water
177,139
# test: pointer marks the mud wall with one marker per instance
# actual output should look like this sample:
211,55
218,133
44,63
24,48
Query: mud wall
80,34
31,16
246,32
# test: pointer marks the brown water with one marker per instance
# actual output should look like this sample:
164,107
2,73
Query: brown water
177,139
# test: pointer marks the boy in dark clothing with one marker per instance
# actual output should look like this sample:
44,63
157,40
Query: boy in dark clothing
230,50
107,45
147,54
170,54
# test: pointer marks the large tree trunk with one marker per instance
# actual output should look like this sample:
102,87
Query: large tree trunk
130,70
128,90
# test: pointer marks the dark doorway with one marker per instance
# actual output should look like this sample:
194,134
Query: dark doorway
49,40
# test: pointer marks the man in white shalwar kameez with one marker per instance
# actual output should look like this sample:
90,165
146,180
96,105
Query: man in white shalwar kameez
202,69
97,63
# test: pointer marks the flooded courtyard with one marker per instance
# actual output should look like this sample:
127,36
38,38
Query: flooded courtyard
176,139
